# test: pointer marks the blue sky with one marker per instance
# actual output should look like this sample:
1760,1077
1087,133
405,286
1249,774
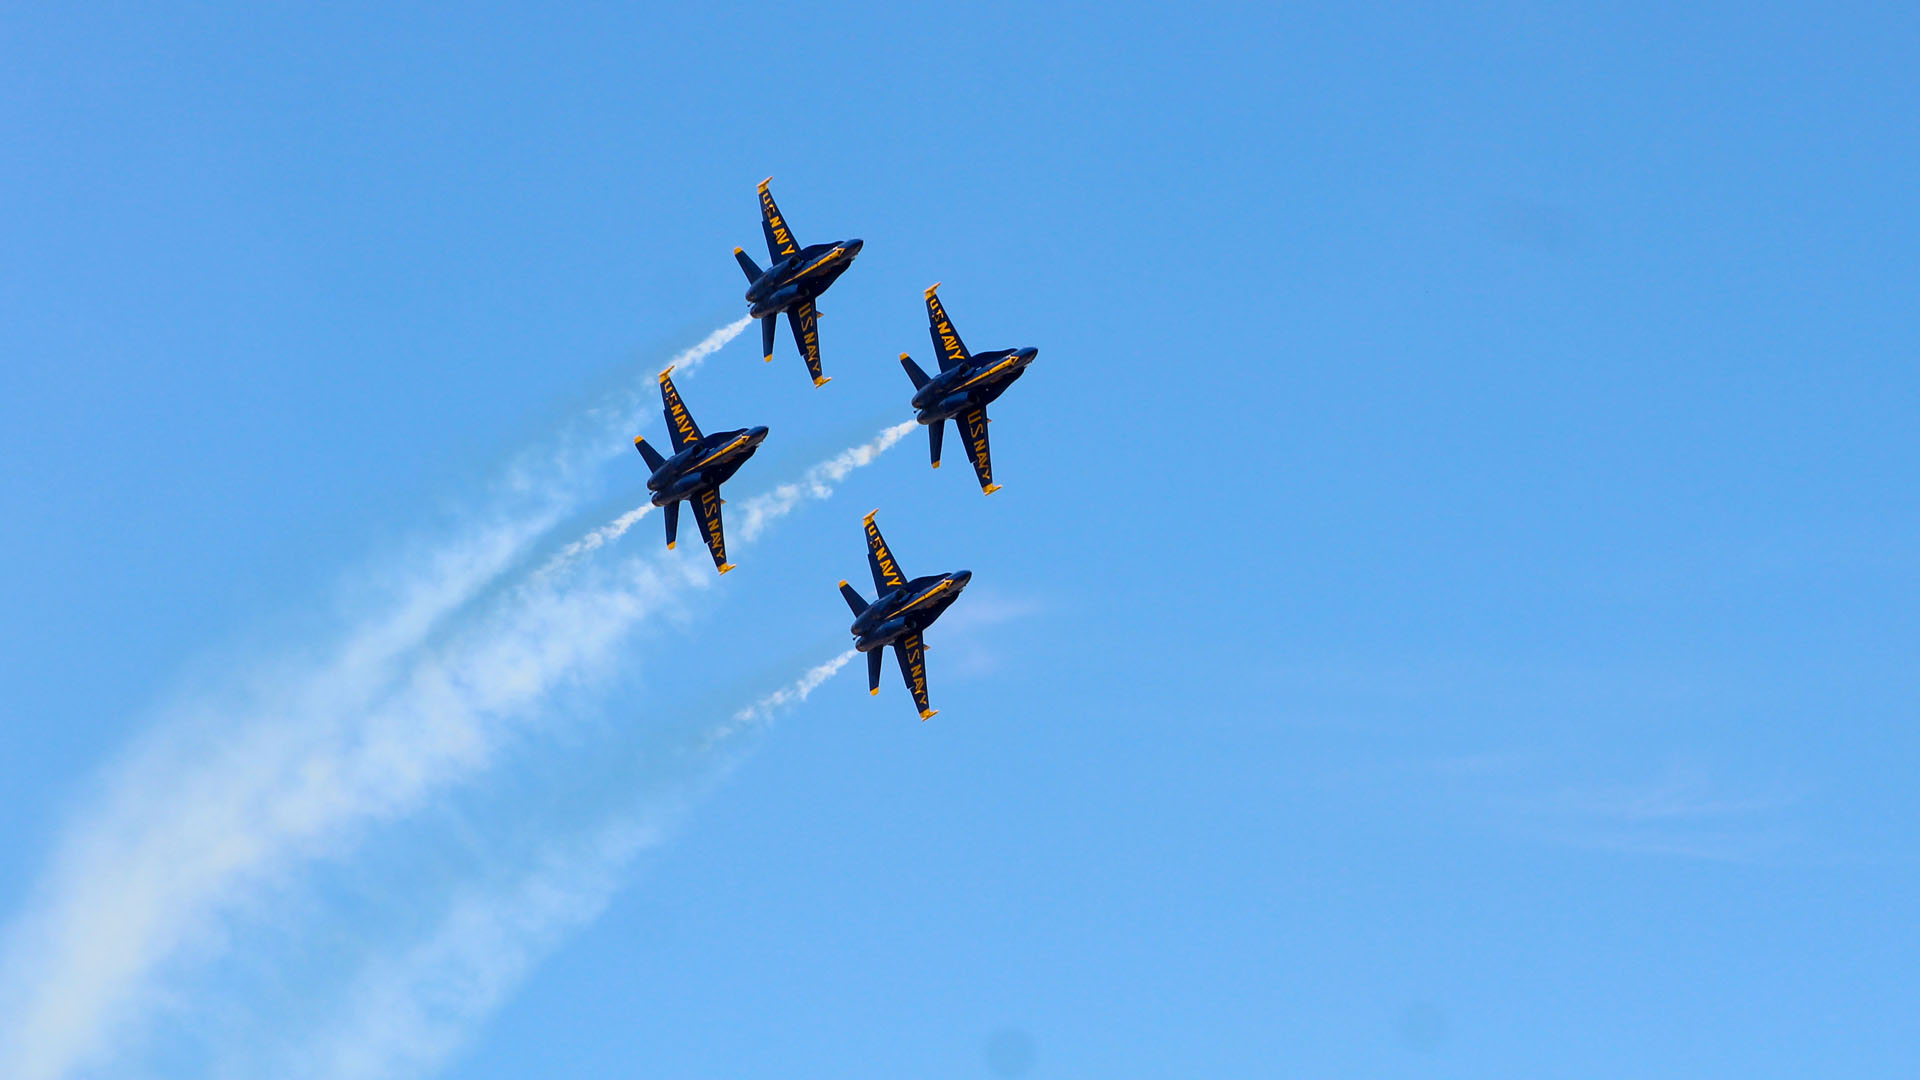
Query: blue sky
1450,613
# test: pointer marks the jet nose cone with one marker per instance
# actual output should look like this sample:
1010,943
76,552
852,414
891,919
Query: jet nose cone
960,579
757,435
853,247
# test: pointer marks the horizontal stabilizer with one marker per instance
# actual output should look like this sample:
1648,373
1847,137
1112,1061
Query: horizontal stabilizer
913,371
852,595
648,453
746,264
767,326
874,660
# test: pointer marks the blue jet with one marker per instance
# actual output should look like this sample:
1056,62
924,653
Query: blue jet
966,385
898,616
795,280
699,465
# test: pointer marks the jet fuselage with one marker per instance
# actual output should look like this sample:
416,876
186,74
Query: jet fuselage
974,384
705,464
803,275
907,609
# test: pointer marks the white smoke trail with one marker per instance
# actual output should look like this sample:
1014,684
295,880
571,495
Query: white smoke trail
690,359
408,1012
225,802
762,712
762,510
593,541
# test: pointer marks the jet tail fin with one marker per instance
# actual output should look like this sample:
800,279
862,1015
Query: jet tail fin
913,371
747,264
651,456
874,660
854,601
767,326
934,431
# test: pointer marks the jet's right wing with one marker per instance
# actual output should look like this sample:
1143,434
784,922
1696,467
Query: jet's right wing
707,505
912,652
679,421
780,241
806,334
973,428
886,572
946,340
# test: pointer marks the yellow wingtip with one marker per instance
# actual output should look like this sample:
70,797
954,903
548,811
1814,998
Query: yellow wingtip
822,382
928,714
639,439
670,545
931,289
870,514
990,489
739,251
724,567
769,358
875,691
843,582
663,375
936,464
764,183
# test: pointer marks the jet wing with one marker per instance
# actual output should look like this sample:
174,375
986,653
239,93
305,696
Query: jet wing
780,241
946,340
887,575
806,334
707,505
912,653
973,427
679,421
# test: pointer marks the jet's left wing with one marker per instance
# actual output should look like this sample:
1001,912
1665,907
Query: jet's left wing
912,652
887,575
780,241
707,505
806,334
973,428
946,340
679,421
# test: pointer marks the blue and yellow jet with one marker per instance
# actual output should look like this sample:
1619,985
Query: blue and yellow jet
795,280
966,385
898,616
699,465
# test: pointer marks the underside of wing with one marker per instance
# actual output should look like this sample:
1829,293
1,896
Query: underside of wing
707,505
780,242
806,334
973,427
680,423
912,652
946,340
887,575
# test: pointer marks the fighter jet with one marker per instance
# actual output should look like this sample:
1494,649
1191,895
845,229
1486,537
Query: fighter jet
795,280
897,617
966,385
699,465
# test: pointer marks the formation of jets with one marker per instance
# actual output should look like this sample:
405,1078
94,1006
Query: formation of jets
965,385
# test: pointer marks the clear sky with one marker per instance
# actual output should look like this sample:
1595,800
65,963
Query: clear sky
1451,612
